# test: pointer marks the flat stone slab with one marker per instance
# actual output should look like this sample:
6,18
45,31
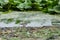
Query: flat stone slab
27,19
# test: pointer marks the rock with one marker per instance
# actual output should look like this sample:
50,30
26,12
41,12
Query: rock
40,23
36,19
12,24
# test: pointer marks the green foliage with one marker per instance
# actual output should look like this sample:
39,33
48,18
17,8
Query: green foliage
39,5
25,5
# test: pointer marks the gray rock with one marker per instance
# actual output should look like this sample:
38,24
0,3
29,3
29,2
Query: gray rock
36,19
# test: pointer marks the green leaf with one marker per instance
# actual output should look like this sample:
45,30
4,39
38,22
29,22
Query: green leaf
57,8
25,5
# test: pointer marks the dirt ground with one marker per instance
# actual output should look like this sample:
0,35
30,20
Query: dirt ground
22,33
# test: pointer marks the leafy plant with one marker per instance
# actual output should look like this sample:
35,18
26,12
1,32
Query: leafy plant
39,5
25,5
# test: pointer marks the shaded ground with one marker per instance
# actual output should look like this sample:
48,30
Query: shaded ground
44,33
